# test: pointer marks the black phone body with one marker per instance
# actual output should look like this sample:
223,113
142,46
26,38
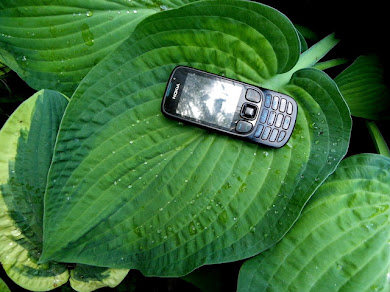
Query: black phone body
233,107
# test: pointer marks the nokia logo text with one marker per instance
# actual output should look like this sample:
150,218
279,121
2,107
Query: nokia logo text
176,91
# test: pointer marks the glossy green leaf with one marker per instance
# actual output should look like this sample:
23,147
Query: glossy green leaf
341,241
364,88
26,146
156,195
53,43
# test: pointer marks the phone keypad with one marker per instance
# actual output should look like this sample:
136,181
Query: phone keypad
253,95
274,119
243,127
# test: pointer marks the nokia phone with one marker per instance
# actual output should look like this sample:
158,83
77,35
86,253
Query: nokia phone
229,106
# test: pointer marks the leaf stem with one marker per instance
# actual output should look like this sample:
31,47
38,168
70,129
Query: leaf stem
379,141
307,59
330,64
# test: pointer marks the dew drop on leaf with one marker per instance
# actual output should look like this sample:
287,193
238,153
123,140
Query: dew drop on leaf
87,35
192,229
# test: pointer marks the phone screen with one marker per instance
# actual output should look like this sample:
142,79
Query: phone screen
209,99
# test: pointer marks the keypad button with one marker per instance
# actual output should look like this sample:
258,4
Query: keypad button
267,102
286,122
279,120
253,95
266,132
271,118
243,127
283,104
259,130
274,133
289,108
281,136
275,102
263,116
248,111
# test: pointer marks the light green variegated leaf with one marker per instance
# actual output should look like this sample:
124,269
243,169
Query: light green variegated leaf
53,43
156,195
26,145
341,240
364,88
87,278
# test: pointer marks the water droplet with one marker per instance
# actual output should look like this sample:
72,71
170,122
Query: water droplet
89,13
226,186
192,228
24,59
163,7
223,217
242,188
135,11
129,186
16,232
137,230
265,153
87,35
161,209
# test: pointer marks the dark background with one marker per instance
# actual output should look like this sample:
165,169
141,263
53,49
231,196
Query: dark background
361,27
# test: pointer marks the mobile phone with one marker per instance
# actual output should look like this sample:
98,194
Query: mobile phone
229,106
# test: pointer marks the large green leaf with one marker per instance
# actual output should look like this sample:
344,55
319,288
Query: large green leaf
54,43
341,241
364,88
163,197
26,146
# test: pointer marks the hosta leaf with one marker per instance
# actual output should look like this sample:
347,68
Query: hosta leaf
53,44
341,241
26,143
87,278
364,88
151,194
3,286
